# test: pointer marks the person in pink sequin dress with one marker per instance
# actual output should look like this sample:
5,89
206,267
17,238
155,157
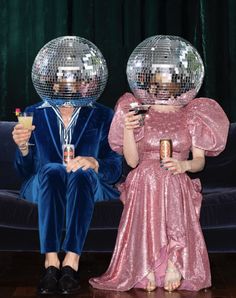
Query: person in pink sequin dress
160,220
160,241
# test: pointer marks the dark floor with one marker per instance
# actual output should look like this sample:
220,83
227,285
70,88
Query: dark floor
19,275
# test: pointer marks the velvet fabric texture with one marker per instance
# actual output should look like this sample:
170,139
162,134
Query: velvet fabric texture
68,198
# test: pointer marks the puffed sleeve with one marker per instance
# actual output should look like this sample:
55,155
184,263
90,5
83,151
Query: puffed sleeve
116,132
208,125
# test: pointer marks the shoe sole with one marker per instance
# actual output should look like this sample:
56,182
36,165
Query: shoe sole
47,292
66,292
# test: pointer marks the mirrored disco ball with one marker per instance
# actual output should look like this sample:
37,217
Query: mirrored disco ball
69,70
165,70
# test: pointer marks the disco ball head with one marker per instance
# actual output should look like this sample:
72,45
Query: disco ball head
69,71
166,70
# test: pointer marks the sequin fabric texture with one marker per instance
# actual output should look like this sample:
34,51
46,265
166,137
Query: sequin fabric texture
160,220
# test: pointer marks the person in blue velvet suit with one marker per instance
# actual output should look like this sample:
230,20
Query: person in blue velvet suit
66,194
69,73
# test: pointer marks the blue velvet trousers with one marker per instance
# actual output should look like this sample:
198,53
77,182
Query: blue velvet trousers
65,200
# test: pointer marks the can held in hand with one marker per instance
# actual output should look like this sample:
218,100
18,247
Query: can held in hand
68,153
165,148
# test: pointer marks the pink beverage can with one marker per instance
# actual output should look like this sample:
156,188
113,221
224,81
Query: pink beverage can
68,153
165,148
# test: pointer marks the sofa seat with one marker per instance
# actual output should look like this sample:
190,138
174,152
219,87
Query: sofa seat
19,218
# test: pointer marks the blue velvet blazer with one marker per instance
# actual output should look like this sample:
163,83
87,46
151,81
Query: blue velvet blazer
90,138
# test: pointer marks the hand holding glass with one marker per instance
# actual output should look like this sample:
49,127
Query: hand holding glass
140,110
26,119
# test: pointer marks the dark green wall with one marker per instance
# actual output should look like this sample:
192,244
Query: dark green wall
116,27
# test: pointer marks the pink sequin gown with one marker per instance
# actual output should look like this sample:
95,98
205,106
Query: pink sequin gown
160,220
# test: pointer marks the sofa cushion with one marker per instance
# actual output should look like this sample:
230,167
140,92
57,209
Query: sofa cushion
219,209
8,176
17,213
220,171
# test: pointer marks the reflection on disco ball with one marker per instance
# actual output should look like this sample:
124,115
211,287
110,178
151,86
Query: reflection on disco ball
165,70
69,70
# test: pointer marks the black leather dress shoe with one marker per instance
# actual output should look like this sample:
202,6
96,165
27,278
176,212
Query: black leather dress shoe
49,281
69,281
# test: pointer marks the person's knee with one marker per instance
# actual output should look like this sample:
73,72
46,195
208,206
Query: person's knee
52,172
83,179
81,175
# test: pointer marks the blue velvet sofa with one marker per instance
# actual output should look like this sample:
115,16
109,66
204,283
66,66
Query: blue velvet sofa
19,222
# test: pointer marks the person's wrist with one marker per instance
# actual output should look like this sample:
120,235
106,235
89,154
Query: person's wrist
24,148
187,165
128,130
96,166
